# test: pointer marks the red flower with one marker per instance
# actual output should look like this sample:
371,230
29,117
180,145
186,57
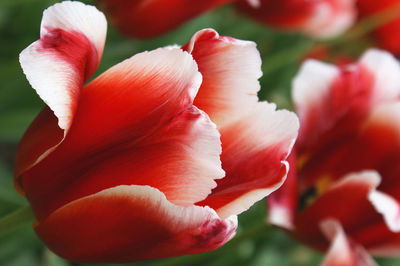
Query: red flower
320,18
347,155
126,167
387,35
144,18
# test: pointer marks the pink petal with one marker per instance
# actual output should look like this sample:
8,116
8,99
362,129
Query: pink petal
231,69
150,18
68,52
129,223
254,155
343,251
135,125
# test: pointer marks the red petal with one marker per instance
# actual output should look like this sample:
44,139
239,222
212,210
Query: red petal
135,125
231,69
68,52
343,251
150,18
254,152
346,201
129,223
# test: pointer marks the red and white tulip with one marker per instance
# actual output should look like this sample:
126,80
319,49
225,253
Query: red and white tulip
347,159
128,166
320,18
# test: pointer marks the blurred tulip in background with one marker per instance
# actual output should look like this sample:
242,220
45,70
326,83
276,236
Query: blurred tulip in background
343,188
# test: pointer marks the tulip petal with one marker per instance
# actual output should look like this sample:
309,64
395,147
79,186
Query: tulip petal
310,89
351,191
129,223
135,125
388,207
343,251
231,69
72,37
381,132
282,204
68,52
150,18
386,71
254,155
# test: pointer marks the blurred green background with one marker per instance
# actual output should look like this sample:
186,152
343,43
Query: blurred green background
256,243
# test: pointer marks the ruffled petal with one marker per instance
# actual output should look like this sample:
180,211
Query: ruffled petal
72,37
254,155
129,223
68,52
231,69
135,125
150,18
343,251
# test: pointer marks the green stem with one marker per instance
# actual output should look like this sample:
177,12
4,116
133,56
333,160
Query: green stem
15,219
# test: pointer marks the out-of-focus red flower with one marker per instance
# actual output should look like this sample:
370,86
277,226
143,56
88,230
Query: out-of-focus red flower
150,18
144,18
387,35
344,187
127,167
320,18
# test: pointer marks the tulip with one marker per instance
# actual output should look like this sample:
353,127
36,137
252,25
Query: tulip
322,18
343,190
386,35
127,167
